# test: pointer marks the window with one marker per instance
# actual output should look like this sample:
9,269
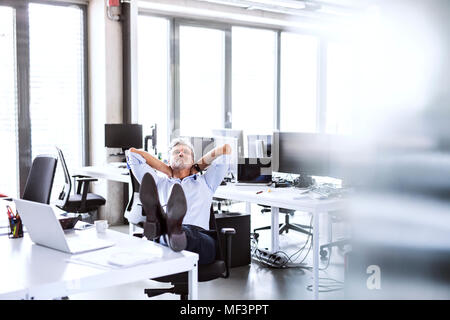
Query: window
57,84
44,107
314,82
202,78
8,104
253,78
340,90
153,77
298,83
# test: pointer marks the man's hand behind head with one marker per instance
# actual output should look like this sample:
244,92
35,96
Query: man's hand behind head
226,149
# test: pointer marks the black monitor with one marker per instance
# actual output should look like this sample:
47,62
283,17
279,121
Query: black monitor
302,153
254,170
123,136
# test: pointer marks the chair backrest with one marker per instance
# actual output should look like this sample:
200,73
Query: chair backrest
39,183
220,254
135,188
65,193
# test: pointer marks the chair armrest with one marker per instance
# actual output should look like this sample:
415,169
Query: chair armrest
85,183
79,176
84,180
228,232
87,179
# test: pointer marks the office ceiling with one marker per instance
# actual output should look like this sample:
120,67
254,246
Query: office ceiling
331,8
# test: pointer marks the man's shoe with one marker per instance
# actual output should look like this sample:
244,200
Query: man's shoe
176,210
154,226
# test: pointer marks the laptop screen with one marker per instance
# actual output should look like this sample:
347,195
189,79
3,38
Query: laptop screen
254,170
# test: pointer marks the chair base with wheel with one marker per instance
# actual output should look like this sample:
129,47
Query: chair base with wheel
219,268
325,249
286,226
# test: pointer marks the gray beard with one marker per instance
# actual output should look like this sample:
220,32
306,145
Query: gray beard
179,164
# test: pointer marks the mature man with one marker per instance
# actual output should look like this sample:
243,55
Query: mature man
186,194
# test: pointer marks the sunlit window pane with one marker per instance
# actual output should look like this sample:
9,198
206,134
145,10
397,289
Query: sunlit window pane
298,100
8,104
201,80
153,75
340,88
253,78
57,84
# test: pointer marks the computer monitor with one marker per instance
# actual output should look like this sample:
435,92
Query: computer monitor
233,133
302,153
259,145
123,136
254,170
343,163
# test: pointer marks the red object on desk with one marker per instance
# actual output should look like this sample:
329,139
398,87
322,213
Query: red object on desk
2,195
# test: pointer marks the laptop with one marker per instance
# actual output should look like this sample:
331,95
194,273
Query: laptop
254,171
45,229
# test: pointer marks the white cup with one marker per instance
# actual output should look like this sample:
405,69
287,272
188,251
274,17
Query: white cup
101,225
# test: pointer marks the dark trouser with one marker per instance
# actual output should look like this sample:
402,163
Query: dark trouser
198,242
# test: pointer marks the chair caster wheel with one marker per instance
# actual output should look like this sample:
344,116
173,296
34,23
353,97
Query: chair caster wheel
323,254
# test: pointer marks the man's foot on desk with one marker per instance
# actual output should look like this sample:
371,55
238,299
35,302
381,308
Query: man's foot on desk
176,210
154,226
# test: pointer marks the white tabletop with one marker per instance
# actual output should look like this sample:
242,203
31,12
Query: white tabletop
288,198
45,273
107,171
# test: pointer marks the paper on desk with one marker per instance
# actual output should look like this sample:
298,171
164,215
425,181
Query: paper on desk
113,258
310,196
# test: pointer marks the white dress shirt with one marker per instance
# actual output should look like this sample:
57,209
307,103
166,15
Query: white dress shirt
198,188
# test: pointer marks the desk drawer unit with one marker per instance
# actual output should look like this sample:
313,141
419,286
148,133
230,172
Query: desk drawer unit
240,247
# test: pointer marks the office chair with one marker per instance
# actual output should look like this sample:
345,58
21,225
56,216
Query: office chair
325,249
39,183
286,226
82,201
135,189
219,268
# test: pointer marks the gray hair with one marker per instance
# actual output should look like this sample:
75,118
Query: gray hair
180,141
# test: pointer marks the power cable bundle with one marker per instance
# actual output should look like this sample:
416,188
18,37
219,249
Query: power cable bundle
281,259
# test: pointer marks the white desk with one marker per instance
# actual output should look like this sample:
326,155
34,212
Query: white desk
288,198
109,172
276,199
30,271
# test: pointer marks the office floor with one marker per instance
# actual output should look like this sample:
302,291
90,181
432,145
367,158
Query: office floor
254,281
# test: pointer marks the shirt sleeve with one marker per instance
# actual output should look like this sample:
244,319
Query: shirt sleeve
215,173
139,167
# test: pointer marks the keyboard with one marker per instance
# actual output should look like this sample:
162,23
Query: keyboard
252,183
326,191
